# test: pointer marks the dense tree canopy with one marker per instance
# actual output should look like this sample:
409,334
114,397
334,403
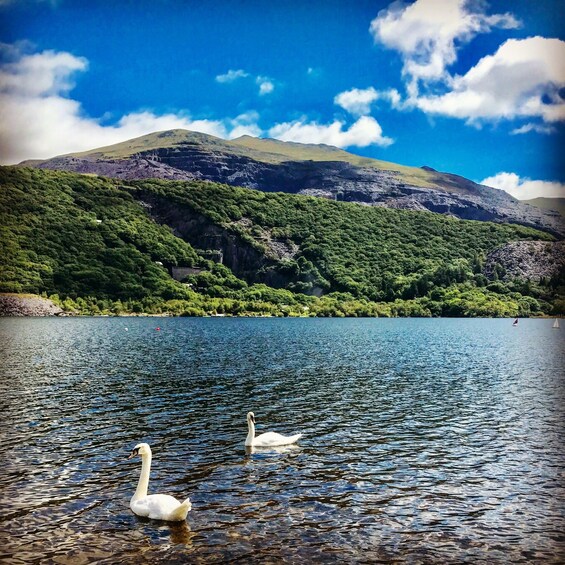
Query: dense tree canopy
92,242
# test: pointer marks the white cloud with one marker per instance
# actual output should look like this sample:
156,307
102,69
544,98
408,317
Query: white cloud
244,124
358,102
525,189
538,128
231,76
266,85
40,74
522,79
39,120
393,96
314,72
428,32
365,131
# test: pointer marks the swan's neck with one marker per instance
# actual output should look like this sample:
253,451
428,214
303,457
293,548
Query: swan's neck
143,483
250,433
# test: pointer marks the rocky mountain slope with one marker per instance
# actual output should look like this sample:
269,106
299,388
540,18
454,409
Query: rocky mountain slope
316,170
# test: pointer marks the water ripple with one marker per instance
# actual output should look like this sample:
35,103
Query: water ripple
424,440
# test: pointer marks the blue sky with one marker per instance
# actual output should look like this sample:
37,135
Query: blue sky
468,87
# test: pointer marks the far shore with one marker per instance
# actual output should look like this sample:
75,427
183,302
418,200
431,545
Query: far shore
14,305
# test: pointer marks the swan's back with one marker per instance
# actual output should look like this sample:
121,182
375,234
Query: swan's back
273,439
161,507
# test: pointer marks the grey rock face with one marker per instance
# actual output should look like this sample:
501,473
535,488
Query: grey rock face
12,305
127,169
528,260
243,258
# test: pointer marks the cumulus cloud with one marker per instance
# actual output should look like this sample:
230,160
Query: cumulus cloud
266,85
231,76
38,119
358,101
244,124
40,73
428,32
365,131
525,189
522,79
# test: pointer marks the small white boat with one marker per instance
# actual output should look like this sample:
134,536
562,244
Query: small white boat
556,324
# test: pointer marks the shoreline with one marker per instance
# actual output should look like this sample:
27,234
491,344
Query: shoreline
14,305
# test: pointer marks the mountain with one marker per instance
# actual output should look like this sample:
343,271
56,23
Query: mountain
316,170
99,245
553,204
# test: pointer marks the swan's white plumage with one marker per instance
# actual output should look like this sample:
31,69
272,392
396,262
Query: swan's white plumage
154,506
161,507
268,439
272,439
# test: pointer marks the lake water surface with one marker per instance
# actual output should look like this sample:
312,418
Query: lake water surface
425,440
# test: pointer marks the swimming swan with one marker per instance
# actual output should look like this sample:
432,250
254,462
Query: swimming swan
154,506
269,439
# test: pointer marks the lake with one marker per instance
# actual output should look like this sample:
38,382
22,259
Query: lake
425,440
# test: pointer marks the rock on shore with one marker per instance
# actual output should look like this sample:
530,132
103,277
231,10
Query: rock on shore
27,305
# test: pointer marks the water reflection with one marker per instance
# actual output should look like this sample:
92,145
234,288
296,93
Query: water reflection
424,440
250,450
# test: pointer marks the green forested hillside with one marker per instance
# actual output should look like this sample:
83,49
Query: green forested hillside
79,235
90,241
370,252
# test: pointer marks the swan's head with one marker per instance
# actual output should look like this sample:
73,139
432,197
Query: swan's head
250,417
140,449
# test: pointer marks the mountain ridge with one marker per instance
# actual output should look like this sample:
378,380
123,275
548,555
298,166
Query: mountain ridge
266,150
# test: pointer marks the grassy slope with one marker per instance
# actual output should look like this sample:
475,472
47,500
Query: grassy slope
157,140
557,204
304,152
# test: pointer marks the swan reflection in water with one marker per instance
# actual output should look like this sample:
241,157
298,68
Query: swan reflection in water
180,533
251,449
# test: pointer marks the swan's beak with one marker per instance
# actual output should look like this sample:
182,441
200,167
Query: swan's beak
253,419
132,454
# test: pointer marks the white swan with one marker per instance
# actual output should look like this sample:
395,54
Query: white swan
268,439
154,506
